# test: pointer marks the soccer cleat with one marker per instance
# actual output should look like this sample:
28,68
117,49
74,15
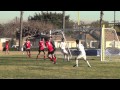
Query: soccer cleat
29,55
50,58
54,62
74,65
89,66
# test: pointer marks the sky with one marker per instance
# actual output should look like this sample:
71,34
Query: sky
86,16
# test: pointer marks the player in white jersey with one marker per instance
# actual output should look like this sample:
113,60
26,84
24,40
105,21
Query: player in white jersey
63,50
82,54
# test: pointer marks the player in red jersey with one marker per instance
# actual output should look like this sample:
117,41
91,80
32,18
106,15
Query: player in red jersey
7,47
41,47
51,50
28,47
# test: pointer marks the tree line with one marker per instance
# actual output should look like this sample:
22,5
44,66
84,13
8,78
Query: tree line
42,22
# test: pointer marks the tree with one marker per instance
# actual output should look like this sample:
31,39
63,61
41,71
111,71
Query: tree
51,18
97,23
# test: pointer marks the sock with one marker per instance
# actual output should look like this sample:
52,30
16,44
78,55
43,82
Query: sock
77,63
37,57
54,59
68,58
29,55
50,58
88,64
44,57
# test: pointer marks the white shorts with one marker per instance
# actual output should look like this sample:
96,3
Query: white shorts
81,56
64,51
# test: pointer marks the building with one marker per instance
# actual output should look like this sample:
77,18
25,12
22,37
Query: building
2,42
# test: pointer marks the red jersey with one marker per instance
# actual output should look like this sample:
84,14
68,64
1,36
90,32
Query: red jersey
7,45
28,44
49,46
41,45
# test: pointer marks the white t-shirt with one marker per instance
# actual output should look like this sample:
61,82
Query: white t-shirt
62,45
80,47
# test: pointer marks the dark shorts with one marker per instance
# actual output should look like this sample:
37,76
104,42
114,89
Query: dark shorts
28,50
51,52
7,49
41,50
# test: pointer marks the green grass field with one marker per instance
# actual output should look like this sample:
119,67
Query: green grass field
18,66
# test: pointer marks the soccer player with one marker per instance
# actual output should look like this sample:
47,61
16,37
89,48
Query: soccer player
7,47
28,47
51,50
41,47
80,48
63,49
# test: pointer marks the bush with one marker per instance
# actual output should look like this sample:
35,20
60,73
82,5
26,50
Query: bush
13,49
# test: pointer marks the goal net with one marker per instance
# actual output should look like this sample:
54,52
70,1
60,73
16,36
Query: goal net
110,45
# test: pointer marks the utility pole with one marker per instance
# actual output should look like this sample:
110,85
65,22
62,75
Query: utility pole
114,18
114,25
21,25
42,16
101,18
101,22
63,20
78,18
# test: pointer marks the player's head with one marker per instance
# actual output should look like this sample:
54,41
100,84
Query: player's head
42,39
51,37
62,40
77,41
27,39
47,38
7,41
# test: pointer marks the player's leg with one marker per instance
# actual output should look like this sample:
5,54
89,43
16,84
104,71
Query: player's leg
76,60
78,57
29,53
44,54
86,61
38,54
64,57
76,63
6,52
67,54
62,51
49,56
54,57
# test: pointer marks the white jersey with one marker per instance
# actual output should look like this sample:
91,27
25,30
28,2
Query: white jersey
63,49
62,45
80,47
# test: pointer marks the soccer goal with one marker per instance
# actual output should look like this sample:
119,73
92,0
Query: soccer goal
110,45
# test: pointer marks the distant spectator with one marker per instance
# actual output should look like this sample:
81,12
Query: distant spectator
7,47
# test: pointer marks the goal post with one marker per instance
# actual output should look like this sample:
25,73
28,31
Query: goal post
103,43
110,45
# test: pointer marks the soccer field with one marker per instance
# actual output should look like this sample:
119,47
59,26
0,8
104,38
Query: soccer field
18,66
